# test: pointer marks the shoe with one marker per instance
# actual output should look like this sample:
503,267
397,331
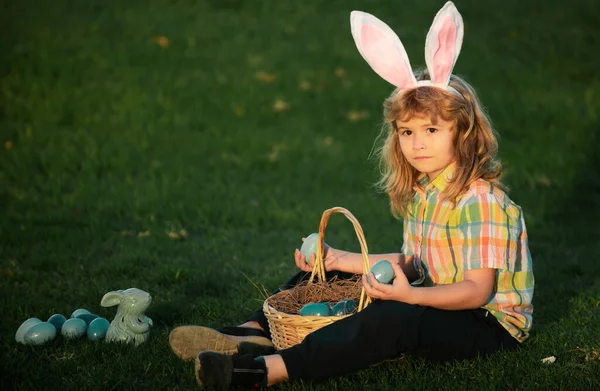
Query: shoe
220,371
187,341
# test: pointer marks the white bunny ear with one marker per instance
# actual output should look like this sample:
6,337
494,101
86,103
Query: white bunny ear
382,49
443,44
111,298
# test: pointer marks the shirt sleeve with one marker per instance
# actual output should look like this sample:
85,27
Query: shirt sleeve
487,230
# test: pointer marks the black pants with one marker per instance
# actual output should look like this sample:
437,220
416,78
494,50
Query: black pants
386,330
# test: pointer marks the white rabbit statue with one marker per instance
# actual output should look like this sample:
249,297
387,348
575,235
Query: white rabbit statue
130,324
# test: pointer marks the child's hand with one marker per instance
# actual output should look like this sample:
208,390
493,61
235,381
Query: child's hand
301,261
399,290
307,267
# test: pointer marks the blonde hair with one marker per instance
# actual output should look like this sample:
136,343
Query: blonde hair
475,140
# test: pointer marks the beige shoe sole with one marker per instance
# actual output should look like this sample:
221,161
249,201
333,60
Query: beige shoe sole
188,341
197,369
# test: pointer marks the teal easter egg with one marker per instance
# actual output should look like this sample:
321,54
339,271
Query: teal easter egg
315,309
57,320
73,328
87,318
97,329
309,246
40,333
20,334
344,307
383,272
78,312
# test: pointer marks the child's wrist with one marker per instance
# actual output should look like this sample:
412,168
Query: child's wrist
413,296
331,257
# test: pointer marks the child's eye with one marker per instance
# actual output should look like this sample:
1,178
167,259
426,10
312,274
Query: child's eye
431,130
406,132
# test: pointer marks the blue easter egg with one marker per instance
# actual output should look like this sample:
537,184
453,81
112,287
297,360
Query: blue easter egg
40,333
309,246
315,309
87,318
383,272
20,334
73,328
344,307
79,311
57,320
97,329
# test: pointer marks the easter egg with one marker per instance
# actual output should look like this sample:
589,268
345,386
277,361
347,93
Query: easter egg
315,309
24,327
309,246
73,328
40,333
57,320
87,318
79,311
97,329
383,272
344,307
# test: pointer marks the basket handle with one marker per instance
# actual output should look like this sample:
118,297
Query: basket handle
319,266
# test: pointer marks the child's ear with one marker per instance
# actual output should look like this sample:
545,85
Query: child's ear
443,44
382,49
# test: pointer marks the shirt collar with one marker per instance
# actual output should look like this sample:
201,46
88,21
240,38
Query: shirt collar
440,182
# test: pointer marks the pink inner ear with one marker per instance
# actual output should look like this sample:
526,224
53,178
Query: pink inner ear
385,58
443,58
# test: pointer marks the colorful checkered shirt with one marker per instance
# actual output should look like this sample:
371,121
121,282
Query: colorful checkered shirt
485,230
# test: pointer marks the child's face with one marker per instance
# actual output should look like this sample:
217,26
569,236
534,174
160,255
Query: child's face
428,148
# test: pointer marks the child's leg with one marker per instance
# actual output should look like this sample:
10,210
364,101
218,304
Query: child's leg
277,371
387,329
187,341
383,330
457,335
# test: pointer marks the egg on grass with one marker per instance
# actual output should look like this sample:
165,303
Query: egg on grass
57,320
73,328
20,334
40,333
87,318
97,329
78,312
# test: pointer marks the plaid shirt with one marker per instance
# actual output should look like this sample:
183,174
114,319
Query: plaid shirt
485,230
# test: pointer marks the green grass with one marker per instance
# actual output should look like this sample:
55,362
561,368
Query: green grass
104,132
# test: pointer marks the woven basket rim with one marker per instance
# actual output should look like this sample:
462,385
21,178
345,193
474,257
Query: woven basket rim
309,318
268,303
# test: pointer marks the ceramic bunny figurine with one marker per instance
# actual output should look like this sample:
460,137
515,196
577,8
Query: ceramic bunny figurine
130,325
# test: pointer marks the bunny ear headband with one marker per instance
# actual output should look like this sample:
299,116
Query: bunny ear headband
384,52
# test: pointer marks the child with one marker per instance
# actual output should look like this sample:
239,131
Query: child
463,282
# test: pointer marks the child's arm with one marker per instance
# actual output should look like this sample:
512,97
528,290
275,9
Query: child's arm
345,261
353,262
472,292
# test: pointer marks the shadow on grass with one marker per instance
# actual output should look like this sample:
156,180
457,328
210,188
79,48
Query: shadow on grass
209,292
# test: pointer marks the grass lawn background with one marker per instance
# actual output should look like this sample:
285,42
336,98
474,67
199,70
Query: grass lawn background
240,122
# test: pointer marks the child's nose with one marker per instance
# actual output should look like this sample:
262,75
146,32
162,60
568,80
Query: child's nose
418,142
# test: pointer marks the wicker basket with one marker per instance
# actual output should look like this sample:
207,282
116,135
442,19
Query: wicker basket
289,329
